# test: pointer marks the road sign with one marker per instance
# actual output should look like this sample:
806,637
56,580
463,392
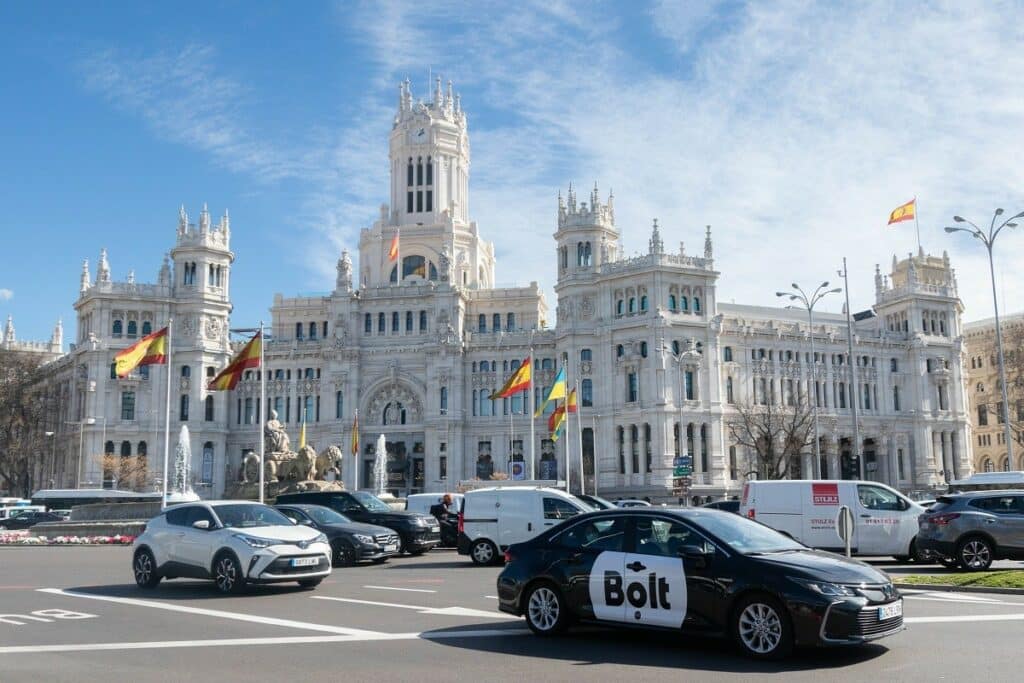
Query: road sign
844,526
681,471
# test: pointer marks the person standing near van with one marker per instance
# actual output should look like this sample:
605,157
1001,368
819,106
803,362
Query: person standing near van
447,516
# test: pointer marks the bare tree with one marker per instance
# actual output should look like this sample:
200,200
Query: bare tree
128,472
22,412
772,434
1013,361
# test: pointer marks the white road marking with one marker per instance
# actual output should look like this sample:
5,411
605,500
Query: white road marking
491,597
444,611
284,640
251,618
978,601
408,590
964,617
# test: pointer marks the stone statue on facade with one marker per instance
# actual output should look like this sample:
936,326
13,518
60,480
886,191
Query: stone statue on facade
274,434
445,264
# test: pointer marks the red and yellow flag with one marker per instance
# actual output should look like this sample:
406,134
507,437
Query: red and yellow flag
906,212
393,251
355,434
571,402
519,381
248,357
556,421
150,350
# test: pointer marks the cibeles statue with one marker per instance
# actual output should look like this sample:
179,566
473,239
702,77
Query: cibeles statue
275,436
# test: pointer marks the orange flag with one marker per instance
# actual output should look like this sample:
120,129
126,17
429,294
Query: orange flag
248,357
906,212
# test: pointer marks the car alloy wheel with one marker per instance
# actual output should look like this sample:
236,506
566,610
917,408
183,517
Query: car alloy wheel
975,554
227,574
544,613
483,552
761,627
344,554
145,569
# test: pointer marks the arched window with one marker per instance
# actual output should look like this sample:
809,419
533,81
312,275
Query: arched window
547,364
208,409
1006,465
207,469
586,355
408,321
980,388
485,366
395,321
419,170
133,329
423,321
696,304
142,450
298,331
510,321
620,351
632,304
643,303
893,365
587,393
444,400
126,449
108,448
684,304
430,173
183,408
619,307
579,253
647,447
496,323
675,346
186,371
481,323
671,302
409,176
643,349
147,328
117,329
382,323
622,450
727,354
988,466
729,397
312,330
368,323
414,265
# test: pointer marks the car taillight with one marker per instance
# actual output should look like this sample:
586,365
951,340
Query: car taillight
508,556
943,520
462,523
751,514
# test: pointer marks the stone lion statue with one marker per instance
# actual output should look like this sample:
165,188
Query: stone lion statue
251,468
300,468
329,458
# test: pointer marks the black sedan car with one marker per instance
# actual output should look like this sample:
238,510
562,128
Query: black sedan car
418,533
696,570
350,541
29,518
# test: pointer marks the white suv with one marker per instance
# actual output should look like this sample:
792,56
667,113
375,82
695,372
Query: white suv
231,542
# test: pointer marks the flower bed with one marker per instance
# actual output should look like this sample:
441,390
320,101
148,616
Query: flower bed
25,537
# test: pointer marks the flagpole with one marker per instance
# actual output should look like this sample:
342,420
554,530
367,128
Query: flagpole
398,254
512,435
263,408
917,225
579,434
167,413
533,420
354,438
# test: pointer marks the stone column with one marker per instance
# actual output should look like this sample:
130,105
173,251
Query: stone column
894,468
833,456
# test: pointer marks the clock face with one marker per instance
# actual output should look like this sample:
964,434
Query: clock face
418,134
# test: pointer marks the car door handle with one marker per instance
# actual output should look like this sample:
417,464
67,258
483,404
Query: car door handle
529,526
990,521
866,516
636,567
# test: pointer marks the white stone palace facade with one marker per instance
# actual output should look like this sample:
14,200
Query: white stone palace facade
418,348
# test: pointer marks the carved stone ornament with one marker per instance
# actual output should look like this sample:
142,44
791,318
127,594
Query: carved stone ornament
188,326
388,397
586,308
214,329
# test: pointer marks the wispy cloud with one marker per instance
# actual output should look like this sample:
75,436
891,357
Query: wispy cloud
6,294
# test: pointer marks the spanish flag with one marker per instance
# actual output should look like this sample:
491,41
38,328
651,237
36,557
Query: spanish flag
905,212
557,391
556,421
248,357
571,402
302,434
355,434
393,251
150,350
519,381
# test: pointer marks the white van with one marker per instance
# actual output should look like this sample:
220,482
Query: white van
885,521
492,519
9,511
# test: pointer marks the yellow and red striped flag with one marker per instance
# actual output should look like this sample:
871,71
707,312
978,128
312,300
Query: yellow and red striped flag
248,357
906,212
571,402
150,350
556,421
393,251
355,434
519,381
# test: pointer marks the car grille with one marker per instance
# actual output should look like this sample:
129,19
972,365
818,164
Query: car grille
386,539
869,625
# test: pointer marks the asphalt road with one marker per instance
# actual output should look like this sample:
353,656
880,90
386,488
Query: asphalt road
73,614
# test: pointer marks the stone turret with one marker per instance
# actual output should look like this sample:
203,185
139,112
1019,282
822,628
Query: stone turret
655,245
9,336
708,247
57,338
86,279
103,269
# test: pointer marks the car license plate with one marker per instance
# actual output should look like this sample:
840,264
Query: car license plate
435,528
305,561
890,611
390,548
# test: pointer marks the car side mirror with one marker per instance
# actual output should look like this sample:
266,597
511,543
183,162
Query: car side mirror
306,522
700,556
203,524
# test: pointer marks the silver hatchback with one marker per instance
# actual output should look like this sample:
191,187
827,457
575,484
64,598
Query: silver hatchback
974,529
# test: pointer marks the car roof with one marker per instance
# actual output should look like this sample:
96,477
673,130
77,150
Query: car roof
985,492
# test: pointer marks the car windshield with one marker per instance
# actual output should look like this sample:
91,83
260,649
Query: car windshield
371,502
242,515
595,502
745,536
322,515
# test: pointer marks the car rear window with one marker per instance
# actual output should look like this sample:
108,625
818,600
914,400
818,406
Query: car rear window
941,503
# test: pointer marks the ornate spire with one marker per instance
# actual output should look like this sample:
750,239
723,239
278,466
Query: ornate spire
437,92
449,97
83,284
709,251
593,197
225,223
879,287
103,269
57,339
9,337
164,279
572,199
655,245
182,220
204,219
343,283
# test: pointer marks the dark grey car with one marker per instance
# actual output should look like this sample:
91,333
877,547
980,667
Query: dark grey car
975,528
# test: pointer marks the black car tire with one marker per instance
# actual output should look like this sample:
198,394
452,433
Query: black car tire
483,552
914,554
343,554
949,562
545,609
761,627
144,569
310,583
227,574
379,560
975,554
417,552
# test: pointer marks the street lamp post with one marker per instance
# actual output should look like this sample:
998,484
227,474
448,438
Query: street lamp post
808,302
53,455
989,241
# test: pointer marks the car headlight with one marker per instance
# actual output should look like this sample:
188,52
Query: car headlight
421,521
832,590
320,538
254,542
363,538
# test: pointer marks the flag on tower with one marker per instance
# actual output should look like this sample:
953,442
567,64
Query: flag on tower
355,434
519,381
557,391
248,357
906,212
393,251
150,350
556,421
571,402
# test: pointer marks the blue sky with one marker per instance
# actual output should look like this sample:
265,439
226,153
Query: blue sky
793,128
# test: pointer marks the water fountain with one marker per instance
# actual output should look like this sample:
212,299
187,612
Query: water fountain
180,490
380,467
